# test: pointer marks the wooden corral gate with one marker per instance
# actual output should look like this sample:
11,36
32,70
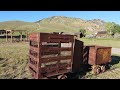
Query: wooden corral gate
50,54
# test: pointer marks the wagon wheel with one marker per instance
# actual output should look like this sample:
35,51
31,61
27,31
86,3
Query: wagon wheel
98,70
103,69
62,77
94,69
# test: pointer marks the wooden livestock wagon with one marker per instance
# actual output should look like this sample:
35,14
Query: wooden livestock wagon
98,57
50,54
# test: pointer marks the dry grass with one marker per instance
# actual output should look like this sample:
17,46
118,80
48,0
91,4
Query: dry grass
112,73
103,42
14,61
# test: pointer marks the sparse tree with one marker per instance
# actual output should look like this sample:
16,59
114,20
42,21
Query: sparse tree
83,31
112,28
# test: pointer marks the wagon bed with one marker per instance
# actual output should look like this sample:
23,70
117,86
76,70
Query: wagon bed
50,54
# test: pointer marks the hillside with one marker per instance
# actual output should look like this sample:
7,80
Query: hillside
18,25
56,23
73,23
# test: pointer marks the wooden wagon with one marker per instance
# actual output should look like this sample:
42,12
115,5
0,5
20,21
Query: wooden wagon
50,55
97,56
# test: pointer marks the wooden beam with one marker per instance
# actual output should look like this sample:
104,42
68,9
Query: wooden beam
6,36
11,36
20,36
26,35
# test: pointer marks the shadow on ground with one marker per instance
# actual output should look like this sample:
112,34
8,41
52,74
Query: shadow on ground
80,75
1,59
86,68
115,60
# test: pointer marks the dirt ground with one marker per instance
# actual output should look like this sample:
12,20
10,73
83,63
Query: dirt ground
113,72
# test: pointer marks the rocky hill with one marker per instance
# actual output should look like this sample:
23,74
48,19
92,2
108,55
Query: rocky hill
56,23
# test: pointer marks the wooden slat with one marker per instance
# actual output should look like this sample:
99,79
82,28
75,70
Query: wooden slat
56,38
34,49
56,73
33,58
49,49
33,36
53,67
43,49
66,49
65,57
33,67
34,54
33,62
65,71
34,74
51,59
49,68
60,36
31,70
63,65
51,74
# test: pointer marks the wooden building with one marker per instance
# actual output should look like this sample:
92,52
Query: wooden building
10,33
101,34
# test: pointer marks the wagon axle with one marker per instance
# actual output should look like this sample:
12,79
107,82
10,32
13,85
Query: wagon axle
96,69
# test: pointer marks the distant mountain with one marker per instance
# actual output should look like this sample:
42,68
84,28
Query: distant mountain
17,25
56,23
73,23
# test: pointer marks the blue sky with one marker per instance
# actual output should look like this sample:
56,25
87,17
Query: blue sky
32,16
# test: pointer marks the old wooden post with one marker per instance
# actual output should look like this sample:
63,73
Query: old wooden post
6,36
21,36
26,33
11,36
